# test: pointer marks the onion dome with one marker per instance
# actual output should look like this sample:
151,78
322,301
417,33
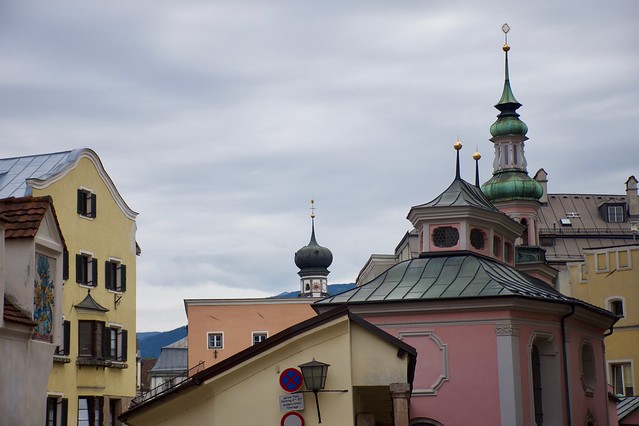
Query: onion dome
313,258
511,185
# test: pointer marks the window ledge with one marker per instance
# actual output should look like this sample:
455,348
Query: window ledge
92,361
64,359
118,364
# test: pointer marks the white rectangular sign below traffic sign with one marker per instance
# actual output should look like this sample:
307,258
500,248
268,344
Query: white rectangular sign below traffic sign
292,402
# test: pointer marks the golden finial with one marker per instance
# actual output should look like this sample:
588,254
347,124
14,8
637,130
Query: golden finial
457,145
505,28
476,155
312,209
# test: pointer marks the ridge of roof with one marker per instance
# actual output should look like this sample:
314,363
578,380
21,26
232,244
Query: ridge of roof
89,303
461,193
23,216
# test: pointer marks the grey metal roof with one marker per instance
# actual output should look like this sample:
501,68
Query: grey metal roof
14,172
626,406
461,193
171,359
448,276
587,229
89,303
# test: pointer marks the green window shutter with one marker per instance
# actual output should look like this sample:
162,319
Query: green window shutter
79,270
66,337
125,335
107,275
65,265
80,201
64,412
94,205
94,274
122,277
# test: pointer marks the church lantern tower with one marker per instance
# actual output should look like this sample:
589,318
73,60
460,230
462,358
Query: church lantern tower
313,261
510,188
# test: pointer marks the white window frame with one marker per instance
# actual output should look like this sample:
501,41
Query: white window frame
614,362
621,299
89,256
118,275
583,272
616,209
119,344
87,214
629,265
208,334
599,269
258,333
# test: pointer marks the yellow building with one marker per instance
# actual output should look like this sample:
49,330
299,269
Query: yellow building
368,381
93,375
608,278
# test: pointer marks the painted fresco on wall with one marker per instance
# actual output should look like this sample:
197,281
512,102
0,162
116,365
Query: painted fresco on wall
43,298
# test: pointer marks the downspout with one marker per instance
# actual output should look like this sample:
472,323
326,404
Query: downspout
565,347
605,367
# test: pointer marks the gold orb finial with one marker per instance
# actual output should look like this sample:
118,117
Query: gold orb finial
505,28
312,209
457,145
506,47
476,156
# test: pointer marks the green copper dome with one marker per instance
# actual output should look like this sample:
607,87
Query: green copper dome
508,122
508,125
511,185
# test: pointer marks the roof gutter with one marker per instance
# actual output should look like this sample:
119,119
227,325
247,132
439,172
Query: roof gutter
565,356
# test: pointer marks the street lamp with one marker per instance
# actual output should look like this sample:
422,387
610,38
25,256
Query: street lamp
314,374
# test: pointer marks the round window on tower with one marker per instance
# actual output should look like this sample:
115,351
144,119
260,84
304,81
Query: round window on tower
445,236
477,238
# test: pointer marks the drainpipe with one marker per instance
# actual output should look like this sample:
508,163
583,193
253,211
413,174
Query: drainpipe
565,347
605,367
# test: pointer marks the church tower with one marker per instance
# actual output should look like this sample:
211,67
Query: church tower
313,261
510,188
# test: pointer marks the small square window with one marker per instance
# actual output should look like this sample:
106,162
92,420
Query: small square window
259,336
86,203
616,307
215,340
86,270
601,262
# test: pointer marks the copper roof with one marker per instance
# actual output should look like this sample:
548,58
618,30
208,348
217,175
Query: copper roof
14,314
461,193
24,215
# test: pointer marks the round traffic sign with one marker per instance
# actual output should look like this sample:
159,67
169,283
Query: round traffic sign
292,419
291,380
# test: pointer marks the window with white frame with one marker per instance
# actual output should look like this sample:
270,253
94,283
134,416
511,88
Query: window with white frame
116,343
86,269
623,259
259,336
56,410
215,340
621,378
615,214
583,272
615,305
91,339
65,348
115,275
86,203
601,262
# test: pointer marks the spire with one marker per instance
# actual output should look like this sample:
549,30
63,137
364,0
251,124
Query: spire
313,241
313,261
458,147
508,122
476,157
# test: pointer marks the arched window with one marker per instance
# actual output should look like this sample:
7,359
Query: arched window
588,368
545,381
423,421
477,238
445,236
497,247
508,252
524,235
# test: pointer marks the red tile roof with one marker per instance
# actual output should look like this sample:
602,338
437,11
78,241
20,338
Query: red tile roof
23,215
15,314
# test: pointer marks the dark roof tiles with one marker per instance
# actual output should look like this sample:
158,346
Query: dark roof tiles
15,314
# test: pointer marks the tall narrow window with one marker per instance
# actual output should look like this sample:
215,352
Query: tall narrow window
621,378
91,339
86,270
66,339
115,275
117,344
90,411
86,203
537,390
524,235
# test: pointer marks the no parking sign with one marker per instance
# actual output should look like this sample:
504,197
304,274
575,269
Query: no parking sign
291,380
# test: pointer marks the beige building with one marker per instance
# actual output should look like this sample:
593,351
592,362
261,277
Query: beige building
367,383
219,328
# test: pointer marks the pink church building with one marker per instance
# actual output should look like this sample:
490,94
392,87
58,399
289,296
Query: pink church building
496,343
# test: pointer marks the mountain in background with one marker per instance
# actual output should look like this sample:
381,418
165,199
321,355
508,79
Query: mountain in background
150,342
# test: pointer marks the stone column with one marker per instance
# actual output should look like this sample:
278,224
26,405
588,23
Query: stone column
400,392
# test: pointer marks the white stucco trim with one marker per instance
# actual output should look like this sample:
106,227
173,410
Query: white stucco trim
509,367
443,349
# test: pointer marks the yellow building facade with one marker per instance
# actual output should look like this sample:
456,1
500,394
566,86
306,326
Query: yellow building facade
94,376
608,278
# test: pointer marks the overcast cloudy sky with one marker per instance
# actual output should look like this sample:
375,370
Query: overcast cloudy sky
218,121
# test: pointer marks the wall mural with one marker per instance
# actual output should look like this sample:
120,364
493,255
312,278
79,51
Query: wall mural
44,298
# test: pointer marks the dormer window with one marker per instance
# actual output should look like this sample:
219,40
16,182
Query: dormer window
615,214
445,237
565,221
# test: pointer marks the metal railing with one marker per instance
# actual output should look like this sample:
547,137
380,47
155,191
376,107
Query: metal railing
170,384
566,230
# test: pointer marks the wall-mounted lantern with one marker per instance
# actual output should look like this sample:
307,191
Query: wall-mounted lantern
314,374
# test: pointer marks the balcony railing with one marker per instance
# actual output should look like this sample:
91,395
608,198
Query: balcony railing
170,384
568,230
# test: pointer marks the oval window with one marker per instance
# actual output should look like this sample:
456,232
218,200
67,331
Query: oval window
445,236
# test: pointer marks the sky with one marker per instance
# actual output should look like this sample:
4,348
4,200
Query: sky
219,121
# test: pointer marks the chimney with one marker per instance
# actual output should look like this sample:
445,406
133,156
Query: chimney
542,178
631,197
